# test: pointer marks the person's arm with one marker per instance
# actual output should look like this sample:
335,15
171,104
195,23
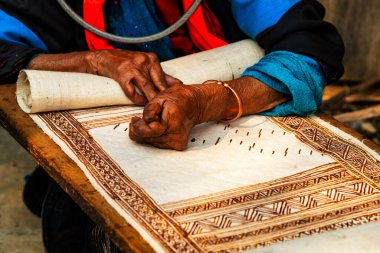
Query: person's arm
38,40
170,116
303,53
130,69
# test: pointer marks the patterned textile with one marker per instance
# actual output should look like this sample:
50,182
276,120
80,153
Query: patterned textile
239,186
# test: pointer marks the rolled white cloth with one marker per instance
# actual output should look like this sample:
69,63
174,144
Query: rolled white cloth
42,91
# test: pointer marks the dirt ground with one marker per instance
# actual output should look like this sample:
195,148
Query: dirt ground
20,230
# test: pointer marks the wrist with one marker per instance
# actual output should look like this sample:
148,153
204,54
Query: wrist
90,61
213,102
68,62
195,103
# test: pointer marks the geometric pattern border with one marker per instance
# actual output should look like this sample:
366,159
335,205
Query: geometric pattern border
338,195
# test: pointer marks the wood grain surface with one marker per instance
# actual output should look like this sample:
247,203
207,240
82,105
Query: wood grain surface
358,21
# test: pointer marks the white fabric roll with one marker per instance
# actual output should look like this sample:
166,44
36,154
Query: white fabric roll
41,91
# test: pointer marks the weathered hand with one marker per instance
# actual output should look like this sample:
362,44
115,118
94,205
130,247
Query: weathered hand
132,69
167,119
129,69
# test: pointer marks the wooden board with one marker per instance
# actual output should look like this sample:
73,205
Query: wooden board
71,178
358,21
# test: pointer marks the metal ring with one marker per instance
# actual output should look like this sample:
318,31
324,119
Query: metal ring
130,40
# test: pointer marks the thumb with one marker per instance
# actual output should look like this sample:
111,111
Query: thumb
152,112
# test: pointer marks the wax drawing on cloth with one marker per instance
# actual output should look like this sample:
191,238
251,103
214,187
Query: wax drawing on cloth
239,186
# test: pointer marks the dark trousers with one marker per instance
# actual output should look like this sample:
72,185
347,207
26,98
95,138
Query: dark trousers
65,227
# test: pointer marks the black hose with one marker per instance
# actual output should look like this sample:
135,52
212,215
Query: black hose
130,40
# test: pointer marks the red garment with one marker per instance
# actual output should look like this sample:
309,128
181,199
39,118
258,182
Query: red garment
212,22
198,29
170,12
93,14
203,27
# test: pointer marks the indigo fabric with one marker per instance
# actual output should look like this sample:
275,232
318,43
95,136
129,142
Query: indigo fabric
293,74
135,19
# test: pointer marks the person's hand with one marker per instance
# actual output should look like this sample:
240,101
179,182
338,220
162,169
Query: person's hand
132,69
129,69
167,119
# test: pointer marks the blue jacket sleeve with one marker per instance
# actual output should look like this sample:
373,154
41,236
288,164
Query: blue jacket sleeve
18,45
13,30
255,16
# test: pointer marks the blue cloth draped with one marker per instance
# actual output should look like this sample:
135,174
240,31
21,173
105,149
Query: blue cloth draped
292,74
289,73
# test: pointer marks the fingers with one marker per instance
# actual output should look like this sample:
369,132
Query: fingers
158,76
134,71
163,142
144,84
156,73
155,134
161,125
171,81
151,125
130,90
157,142
138,128
145,90
152,112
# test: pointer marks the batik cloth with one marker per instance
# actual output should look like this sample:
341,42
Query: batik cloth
238,186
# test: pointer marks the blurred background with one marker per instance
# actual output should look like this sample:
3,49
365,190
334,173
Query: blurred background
20,231
355,100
